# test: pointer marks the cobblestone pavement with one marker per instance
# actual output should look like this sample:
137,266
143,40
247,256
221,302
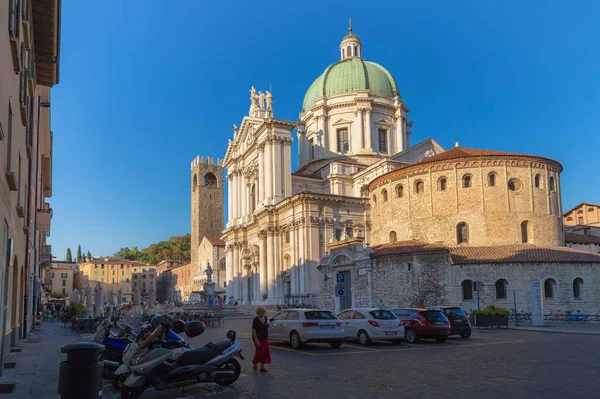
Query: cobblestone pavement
492,364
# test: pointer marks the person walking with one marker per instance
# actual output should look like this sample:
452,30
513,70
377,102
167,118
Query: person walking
260,336
380,304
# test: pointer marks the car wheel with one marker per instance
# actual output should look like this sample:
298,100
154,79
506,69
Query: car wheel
295,340
363,338
397,341
441,339
411,336
335,345
465,335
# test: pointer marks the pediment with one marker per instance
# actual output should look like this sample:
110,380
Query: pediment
384,122
342,122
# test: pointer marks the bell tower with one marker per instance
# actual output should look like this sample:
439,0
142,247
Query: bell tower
207,201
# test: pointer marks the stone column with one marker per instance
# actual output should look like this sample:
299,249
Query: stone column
243,198
269,172
367,131
400,134
278,177
261,175
287,168
361,127
271,263
404,133
263,287
301,258
236,273
230,197
303,150
229,270
245,281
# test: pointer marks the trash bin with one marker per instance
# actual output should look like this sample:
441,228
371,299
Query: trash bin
81,375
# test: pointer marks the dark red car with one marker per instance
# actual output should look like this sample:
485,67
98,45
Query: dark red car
423,323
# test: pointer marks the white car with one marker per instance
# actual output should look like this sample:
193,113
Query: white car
301,326
366,324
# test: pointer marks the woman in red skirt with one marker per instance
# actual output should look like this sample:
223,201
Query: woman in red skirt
260,336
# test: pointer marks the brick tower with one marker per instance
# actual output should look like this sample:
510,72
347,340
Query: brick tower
207,201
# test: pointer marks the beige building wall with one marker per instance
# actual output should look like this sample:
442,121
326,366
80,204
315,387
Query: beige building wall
59,278
583,214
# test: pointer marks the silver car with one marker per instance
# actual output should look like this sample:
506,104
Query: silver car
366,324
301,326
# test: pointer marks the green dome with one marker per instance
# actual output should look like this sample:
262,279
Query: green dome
350,76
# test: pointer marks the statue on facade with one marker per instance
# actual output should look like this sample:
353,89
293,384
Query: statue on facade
269,98
235,130
261,100
208,272
254,107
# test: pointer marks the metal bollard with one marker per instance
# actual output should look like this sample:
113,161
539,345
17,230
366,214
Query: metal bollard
81,375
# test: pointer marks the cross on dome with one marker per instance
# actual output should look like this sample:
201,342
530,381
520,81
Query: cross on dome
351,46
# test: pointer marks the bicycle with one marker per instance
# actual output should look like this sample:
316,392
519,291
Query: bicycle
571,317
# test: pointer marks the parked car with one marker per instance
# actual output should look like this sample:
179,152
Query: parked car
423,323
459,322
366,324
301,326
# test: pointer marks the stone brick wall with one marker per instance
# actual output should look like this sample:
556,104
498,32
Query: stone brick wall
494,213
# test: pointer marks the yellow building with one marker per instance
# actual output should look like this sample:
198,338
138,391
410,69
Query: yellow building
58,279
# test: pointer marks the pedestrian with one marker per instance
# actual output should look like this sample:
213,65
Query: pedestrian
260,336
220,303
380,304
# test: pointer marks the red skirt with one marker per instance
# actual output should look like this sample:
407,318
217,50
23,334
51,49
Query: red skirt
262,353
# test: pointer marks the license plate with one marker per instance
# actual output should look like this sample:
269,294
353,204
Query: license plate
439,323
327,327
390,333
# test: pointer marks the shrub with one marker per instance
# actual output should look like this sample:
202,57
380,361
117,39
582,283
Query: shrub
75,309
492,310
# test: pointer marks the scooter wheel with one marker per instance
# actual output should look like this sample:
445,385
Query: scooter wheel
132,393
118,381
231,365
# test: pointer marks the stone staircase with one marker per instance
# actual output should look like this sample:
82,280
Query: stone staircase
228,311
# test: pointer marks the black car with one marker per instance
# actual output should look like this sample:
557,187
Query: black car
459,322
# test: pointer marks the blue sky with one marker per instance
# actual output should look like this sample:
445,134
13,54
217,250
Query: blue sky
144,88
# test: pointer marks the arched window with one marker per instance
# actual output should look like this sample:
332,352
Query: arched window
462,233
393,236
253,198
355,50
399,191
501,289
580,211
210,180
492,179
374,200
577,286
549,285
467,290
348,51
442,184
525,231
569,218
195,182
419,187
536,181
384,195
551,183
590,209
466,181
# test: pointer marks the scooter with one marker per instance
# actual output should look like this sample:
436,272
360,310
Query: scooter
157,363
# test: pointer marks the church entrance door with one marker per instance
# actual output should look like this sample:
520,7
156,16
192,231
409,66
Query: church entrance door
346,285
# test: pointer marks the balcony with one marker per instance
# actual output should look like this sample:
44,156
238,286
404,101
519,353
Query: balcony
11,180
20,211
45,255
43,218
13,31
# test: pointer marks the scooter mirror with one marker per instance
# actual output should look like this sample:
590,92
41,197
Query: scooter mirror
231,334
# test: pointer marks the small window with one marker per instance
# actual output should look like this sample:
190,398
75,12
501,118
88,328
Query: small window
462,233
419,187
210,180
311,143
382,140
384,195
466,181
580,211
569,218
393,236
590,209
577,286
399,191
349,232
195,183
536,181
501,289
549,285
551,183
515,185
467,290
338,234
525,232
442,184
374,200
348,51
492,179
287,237
342,140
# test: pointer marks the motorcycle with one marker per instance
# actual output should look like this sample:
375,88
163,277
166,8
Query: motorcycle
165,365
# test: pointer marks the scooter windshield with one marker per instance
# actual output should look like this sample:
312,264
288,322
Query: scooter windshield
156,334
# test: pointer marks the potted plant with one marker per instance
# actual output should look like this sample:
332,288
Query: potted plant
492,316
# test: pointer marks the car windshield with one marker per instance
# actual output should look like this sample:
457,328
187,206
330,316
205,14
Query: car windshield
454,312
382,315
319,315
433,315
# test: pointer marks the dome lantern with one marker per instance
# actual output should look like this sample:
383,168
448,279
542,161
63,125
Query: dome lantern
351,45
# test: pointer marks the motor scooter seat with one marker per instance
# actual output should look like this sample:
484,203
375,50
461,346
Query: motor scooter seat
204,354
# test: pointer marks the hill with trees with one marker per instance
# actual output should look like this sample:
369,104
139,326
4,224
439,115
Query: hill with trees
176,248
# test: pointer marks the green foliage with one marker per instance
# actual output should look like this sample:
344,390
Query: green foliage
89,255
69,257
74,310
79,254
492,310
176,248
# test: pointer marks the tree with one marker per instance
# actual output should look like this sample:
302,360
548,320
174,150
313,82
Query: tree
89,255
69,257
79,259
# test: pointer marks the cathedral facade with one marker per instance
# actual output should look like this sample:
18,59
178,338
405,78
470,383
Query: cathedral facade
353,128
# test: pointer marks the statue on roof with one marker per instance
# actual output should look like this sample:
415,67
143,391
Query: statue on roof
235,130
253,102
261,100
269,98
